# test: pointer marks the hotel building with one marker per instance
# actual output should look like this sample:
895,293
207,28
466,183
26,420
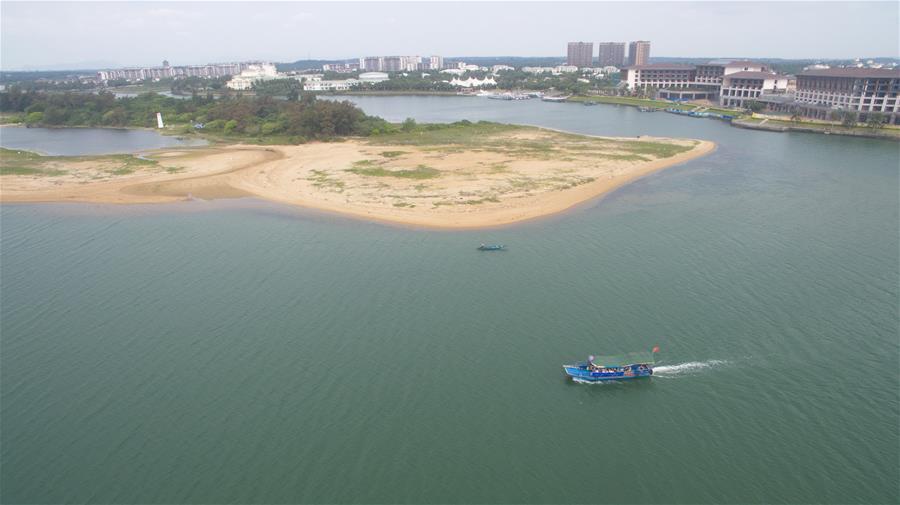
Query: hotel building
740,87
713,72
659,75
860,89
580,54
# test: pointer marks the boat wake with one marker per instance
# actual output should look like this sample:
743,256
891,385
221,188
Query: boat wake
686,368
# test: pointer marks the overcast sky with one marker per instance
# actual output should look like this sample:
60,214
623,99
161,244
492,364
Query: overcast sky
83,34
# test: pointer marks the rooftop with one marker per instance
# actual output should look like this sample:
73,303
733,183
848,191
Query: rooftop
732,63
749,74
852,72
661,66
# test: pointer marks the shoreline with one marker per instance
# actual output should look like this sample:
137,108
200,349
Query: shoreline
292,175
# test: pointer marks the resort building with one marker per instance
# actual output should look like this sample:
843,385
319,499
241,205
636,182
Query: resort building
819,92
860,89
740,87
659,75
580,54
639,53
712,73
611,54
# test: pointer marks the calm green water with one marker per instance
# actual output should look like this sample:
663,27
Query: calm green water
244,352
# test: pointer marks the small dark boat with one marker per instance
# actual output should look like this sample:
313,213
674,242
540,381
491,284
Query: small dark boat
491,247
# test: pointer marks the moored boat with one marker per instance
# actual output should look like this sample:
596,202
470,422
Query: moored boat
491,247
631,365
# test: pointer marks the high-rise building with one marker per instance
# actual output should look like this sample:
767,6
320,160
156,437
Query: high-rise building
611,54
371,64
435,62
639,52
393,64
581,54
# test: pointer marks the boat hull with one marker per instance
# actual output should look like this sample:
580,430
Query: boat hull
583,374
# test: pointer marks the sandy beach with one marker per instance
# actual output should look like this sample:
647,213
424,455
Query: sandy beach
514,175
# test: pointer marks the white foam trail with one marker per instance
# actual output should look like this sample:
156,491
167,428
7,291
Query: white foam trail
691,366
582,381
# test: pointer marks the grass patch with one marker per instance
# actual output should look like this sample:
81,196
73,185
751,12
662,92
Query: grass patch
393,154
20,170
322,179
462,133
420,172
655,149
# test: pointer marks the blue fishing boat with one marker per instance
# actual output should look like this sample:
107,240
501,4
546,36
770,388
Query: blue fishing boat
491,247
632,365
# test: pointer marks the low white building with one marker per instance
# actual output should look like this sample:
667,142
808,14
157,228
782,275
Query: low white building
320,85
373,77
453,71
501,68
561,69
473,82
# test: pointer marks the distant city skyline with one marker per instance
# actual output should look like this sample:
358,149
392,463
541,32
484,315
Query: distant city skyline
74,35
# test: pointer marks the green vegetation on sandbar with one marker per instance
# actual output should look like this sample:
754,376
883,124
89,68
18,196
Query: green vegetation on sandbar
522,141
461,133
18,162
370,169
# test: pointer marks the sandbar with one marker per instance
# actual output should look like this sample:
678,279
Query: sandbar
500,175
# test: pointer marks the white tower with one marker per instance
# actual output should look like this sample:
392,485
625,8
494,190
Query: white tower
159,121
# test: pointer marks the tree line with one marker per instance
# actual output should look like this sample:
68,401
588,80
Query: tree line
301,118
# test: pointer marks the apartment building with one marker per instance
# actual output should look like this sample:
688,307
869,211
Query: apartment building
639,53
611,54
580,54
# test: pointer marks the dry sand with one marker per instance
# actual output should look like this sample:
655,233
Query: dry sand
442,186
